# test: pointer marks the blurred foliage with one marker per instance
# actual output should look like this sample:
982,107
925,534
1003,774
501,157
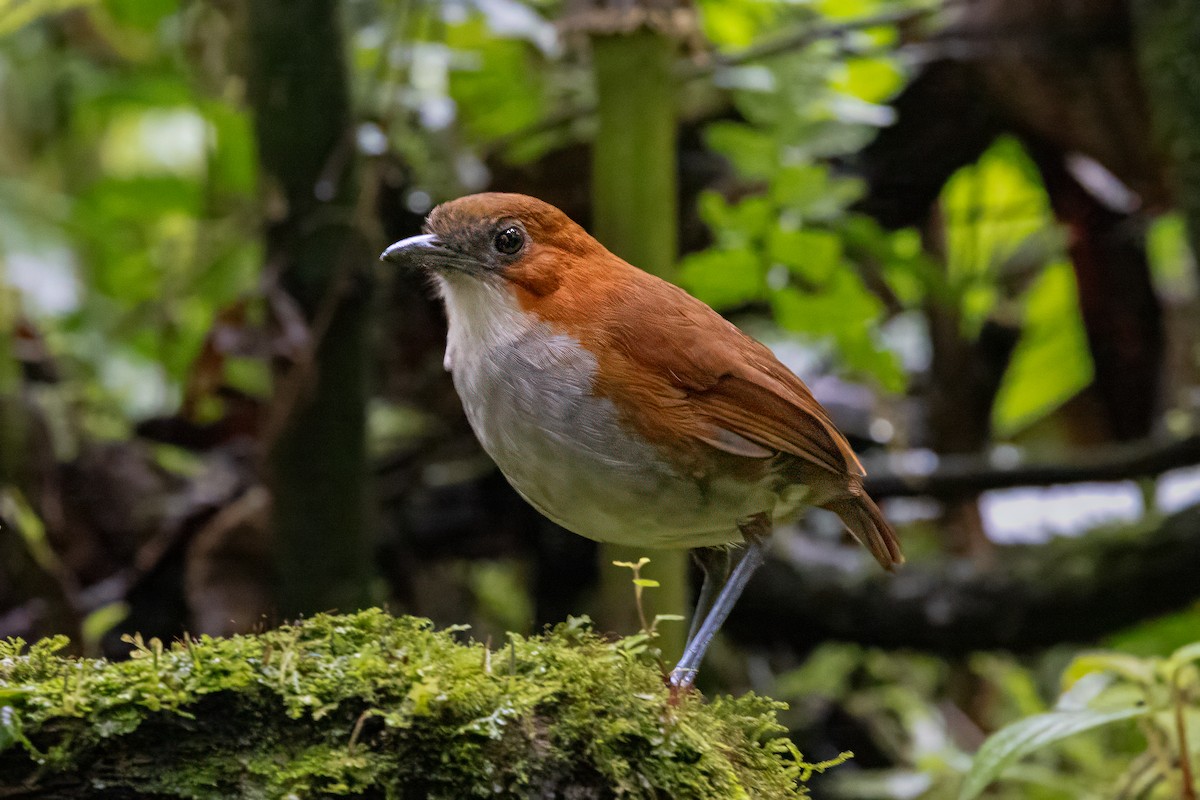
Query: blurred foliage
786,245
128,214
1100,690
1112,731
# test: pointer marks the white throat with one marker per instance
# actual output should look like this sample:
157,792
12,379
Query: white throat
482,315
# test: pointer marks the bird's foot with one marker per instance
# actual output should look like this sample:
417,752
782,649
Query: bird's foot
679,683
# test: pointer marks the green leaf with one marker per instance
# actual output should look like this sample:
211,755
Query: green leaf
800,187
871,79
485,103
233,167
811,254
1052,362
1186,654
1009,745
736,225
752,151
722,278
1084,691
646,583
990,208
1130,668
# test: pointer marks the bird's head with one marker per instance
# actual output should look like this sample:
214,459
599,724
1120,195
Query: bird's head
504,240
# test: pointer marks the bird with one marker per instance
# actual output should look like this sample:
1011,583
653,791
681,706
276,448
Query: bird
626,410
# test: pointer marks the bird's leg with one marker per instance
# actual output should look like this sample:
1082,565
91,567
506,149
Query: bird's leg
756,531
714,563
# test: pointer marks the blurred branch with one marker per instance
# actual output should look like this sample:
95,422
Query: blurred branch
794,40
1030,596
971,474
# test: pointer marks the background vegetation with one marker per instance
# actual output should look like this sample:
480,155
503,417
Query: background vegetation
970,225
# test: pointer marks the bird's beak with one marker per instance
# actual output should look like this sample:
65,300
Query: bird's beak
414,248
428,251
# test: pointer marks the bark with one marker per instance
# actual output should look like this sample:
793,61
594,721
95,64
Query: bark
298,89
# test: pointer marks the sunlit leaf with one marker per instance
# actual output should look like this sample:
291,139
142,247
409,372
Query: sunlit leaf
736,23
1052,362
1128,667
990,208
870,79
1170,257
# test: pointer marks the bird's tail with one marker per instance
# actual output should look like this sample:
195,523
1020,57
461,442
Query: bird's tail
867,525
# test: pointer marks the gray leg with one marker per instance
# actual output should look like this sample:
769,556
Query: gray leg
714,563
756,549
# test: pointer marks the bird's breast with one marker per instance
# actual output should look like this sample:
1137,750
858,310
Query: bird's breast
529,391
532,405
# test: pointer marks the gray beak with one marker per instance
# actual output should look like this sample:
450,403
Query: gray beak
413,248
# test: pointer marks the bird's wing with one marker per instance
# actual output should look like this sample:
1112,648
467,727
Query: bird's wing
705,376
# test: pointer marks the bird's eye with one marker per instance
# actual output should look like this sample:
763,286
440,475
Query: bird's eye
509,241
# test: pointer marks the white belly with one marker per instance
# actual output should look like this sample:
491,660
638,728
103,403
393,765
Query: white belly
530,404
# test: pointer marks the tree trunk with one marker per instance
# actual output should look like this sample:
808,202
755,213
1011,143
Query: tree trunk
298,89
636,216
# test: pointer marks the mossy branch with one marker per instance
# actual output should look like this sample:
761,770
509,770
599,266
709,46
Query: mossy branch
370,705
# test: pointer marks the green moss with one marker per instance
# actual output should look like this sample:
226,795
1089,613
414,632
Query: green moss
371,705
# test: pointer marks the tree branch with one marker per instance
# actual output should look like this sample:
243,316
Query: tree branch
971,474
1032,596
